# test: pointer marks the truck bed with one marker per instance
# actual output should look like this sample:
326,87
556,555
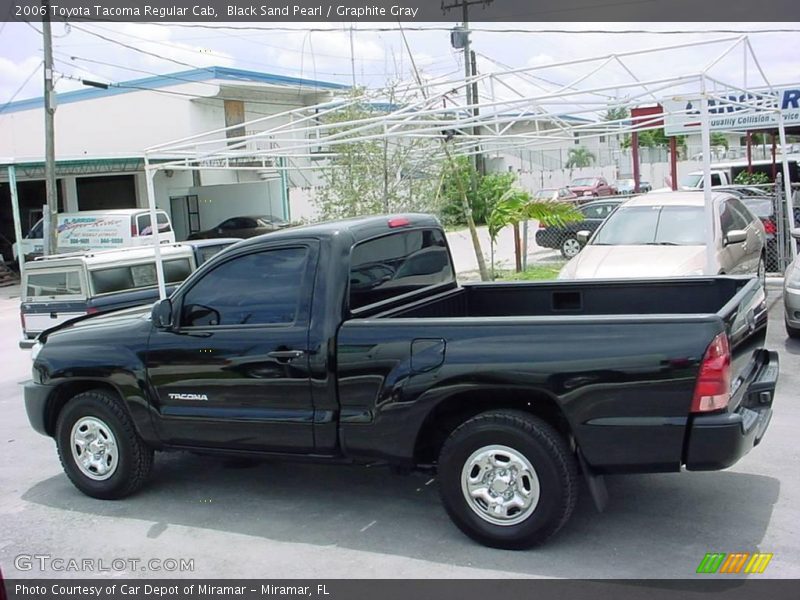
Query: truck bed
618,358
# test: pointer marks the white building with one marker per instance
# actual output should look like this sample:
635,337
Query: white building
101,135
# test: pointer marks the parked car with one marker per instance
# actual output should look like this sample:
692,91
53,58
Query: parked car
60,287
663,235
242,227
627,187
565,237
762,206
589,187
791,294
98,230
555,194
504,388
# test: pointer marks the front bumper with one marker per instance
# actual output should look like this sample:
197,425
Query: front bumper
719,440
36,396
791,305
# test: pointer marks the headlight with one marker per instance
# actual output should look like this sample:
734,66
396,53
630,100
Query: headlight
35,349
793,278
587,193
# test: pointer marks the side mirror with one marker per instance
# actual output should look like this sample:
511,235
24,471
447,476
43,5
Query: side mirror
583,236
162,314
737,236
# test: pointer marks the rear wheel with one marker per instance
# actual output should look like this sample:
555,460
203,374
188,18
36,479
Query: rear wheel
99,448
792,332
508,479
570,247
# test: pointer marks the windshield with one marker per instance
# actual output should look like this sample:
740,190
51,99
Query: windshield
545,193
269,219
692,180
653,225
585,181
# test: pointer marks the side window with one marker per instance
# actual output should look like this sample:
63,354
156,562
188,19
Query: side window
262,288
592,212
143,223
397,264
229,224
745,214
730,219
715,179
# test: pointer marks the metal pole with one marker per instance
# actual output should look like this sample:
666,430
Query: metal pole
673,162
787,185
150,173
750,152
635,159
12,184
51,194
705,135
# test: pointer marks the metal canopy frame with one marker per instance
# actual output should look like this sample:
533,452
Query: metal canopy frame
550,112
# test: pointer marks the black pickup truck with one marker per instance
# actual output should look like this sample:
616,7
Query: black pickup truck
353,341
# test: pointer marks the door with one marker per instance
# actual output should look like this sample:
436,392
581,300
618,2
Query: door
756,240
233,371
733,256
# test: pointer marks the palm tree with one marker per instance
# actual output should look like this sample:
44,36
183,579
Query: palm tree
579,157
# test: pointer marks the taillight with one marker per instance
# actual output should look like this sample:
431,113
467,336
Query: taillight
22,319
713,388
92,310
542,225
134,231
770,227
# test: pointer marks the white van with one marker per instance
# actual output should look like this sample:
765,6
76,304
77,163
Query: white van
98,230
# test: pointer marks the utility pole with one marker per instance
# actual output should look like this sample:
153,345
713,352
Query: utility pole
51,208
459,38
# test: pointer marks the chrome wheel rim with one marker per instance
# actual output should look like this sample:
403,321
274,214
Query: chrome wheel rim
571,247
500,485
94,448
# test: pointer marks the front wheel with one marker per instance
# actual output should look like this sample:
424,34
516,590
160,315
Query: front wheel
508,479
570,247
99,448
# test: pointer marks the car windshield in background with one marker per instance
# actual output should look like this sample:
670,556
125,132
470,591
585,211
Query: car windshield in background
653,225
691,180
585,181
760,208
545,194
268,220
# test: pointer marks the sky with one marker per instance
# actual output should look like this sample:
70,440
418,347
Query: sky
113,53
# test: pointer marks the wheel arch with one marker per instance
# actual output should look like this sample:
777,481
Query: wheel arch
459,407
67,390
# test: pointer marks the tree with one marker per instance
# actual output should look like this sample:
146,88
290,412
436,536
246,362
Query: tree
719,139
364,177
515,206
616,113
579,157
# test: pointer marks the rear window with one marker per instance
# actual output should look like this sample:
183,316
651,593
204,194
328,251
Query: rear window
131,277
57,284
205,252
143,223
397,264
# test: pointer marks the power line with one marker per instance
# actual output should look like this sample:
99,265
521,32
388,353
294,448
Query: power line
24,83
483,29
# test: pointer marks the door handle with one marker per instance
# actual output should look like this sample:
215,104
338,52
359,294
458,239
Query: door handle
286,355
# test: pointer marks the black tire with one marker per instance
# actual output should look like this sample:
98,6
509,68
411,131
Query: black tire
792,332
542,446
134,458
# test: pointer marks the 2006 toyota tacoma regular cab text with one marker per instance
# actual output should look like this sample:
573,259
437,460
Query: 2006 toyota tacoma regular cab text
353,341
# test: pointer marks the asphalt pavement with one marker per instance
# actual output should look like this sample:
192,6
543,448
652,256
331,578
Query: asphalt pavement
281,520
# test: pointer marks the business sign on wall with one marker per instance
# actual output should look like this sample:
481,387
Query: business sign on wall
682,114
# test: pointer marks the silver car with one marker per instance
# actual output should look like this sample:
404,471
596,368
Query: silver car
791,295
663,235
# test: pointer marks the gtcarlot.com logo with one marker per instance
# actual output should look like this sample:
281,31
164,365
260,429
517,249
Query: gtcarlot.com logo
48,562
734,563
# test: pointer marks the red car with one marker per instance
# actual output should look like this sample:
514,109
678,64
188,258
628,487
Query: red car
591,187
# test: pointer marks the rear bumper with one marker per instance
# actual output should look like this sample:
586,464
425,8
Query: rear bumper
36,396
791,303
718,441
